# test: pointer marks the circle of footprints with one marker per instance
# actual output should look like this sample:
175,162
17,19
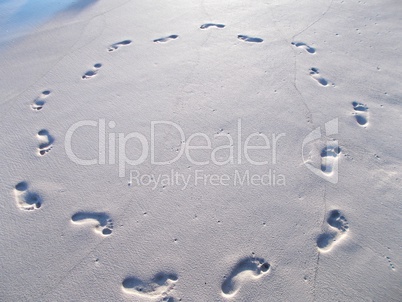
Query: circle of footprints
246,269
336,230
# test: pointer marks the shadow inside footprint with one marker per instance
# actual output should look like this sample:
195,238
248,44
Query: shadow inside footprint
334,152
166,39
325,240
49,138
361,113
359,106
26,200
159,285
329,156
105,223
21,186
314,72
308,48
208,25
91,73
39,102
33,199
247,267
361,120
337,221
249,39
162,278
46,141
117,45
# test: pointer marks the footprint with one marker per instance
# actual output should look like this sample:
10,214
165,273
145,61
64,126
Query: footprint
246,269
39,102
391,265
104,224
329,157
308,48
117,45
159,286
361,113
249,39
46,142
315,74
339,225
91,73
26,200
208,25
166,39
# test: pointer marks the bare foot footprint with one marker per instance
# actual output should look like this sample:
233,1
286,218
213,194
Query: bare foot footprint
93,72
45,142
315,74
26,200
208,25
39,102
308,48
117,45
249,39
338,226
103,223
246,269
329,159
361,113
159,286
166,39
